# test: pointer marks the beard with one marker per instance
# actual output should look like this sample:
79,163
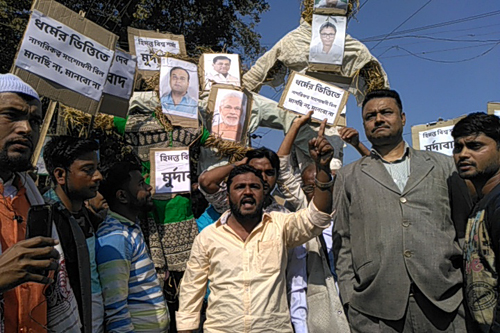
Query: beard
19,163
236,211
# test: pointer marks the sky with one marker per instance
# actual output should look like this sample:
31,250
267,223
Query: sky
459,75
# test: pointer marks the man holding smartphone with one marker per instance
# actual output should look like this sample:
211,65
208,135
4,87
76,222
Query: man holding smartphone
22,261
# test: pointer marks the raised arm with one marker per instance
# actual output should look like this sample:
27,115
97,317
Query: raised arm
321,152
210,180
286,145
351,136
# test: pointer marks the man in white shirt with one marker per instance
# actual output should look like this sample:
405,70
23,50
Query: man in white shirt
221,65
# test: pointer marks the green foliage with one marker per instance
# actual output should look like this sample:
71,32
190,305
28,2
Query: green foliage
219,24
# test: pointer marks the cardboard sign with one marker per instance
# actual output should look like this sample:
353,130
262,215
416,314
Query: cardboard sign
303,94
170,170
435,137
120,84
231,108
328,40
179,90
330,7
494,108
148,46
64,56
220,68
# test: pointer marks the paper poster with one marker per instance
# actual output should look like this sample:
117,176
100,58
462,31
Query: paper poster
438,140
58,53
146,47
337,4
494,108
229,115
171,170
179,88
328,39
120,81
221,68
303,94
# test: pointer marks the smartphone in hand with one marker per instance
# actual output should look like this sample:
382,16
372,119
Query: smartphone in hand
39,224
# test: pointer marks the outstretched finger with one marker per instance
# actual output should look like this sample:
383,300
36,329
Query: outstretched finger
321,131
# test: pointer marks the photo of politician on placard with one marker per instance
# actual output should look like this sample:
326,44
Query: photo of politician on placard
229,114
179,88
221,68
328,39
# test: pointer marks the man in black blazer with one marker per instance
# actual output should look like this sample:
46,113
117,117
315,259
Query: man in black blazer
398,255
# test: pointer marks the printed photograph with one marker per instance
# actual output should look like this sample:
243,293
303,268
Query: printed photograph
229,115
221,68
328,39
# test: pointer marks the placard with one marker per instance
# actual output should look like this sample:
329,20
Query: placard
60,54
40,164
119,85
330,7
145,44
303,94
179,90
170,170
435,137
231,108
220,68
494,108
70,45
328,40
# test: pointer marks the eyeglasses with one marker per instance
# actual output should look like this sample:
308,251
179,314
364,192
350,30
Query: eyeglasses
328,35
270,172
308,188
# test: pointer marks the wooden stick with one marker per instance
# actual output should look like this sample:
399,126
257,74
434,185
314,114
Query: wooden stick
43,131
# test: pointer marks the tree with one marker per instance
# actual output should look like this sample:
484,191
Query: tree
218,24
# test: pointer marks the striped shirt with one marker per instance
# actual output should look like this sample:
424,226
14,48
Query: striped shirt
133,298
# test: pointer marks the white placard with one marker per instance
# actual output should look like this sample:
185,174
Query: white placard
305,94
171,171
179,88
121,75
58,53
438,140
328,39
496,113
145,47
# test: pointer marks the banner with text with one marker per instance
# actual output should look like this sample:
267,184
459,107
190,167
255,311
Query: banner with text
58,53
170,169
435,137
121,75
303,94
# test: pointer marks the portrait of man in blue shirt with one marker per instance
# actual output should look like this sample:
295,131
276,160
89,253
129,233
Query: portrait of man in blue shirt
178,100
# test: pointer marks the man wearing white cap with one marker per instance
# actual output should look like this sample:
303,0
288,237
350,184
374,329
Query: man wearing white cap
23,285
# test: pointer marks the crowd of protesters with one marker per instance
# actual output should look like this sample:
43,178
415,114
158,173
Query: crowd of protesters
401,240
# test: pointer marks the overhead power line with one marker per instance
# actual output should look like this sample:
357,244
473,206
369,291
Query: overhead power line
399,26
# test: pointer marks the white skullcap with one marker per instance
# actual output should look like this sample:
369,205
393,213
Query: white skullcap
13,84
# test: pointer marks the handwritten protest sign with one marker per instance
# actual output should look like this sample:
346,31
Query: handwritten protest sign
148,46
435,137
120,79
58,53
170,170
494,108
304,93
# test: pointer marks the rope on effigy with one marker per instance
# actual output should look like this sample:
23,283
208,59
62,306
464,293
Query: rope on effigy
232,150
308,9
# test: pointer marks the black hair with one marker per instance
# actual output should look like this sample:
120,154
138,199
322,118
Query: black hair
267,153
477,123
327,25
177,67
115,178
221,58
240,170
384,93
63,151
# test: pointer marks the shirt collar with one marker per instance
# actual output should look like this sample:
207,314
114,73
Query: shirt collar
121,218
406,154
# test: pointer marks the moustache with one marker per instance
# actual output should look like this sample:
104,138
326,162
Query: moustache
378,127
23,141
248,200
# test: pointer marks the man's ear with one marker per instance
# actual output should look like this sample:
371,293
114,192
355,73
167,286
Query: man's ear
122,197
403,118
60,176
